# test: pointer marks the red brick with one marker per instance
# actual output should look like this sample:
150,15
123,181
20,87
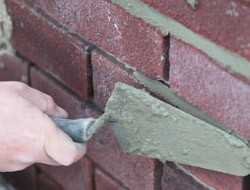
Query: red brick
61,95
135,172
50,47
105,182
199,80
105,73
75,177
25,179
217,180
45,182
114,30
175,178
13,69
224,22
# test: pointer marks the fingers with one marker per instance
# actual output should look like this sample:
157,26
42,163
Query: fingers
61,148
43,101
58,146
14,167
47,104
32,136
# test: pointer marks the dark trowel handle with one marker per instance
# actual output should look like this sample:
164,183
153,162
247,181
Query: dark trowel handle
77,129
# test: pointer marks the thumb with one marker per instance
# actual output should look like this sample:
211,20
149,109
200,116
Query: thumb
60,147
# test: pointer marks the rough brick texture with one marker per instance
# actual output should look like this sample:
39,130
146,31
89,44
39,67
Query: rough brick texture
217,180
13,68
224,22
75,177
105,182
105,73
113,29
134,171
199,80
49,47
175,178
23,180
44,182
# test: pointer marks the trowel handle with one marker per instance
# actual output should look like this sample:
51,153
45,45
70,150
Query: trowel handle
77,129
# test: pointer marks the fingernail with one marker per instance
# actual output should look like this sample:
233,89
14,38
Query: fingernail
62,112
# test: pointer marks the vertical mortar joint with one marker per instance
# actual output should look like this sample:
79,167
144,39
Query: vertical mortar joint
165,57
88,51
5,30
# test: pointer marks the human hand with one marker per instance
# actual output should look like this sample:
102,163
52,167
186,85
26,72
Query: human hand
27,134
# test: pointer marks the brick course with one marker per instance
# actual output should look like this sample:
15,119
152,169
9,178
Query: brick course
51,48
199,80
79,49
217,180
114,30
224,22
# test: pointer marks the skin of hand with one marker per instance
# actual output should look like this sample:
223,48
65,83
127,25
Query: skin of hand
27,134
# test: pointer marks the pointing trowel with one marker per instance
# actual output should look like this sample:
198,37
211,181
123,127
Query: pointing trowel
149,127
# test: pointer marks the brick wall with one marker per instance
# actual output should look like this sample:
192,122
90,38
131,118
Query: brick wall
76,50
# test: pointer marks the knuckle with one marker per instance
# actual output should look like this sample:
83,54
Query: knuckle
50,100
50,103
22,167
15,167
21,87
25,158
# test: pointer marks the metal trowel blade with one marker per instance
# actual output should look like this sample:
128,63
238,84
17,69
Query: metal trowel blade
149,127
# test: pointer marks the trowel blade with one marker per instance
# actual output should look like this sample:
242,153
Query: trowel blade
149,127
